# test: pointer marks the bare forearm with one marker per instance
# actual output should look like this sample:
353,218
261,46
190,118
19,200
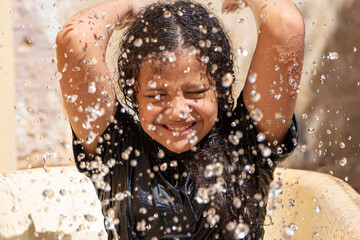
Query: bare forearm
86,82
277,61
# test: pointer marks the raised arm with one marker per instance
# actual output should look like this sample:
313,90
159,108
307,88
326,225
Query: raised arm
276,64
86,86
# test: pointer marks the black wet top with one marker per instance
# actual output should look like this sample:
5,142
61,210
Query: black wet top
144,198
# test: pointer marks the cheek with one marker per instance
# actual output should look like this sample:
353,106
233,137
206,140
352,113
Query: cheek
207,110
149,116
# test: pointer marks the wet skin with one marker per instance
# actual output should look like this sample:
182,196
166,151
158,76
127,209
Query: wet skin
182,108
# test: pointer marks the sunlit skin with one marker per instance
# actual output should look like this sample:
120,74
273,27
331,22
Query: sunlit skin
183,102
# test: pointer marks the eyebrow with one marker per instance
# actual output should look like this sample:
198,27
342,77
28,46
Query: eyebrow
205,85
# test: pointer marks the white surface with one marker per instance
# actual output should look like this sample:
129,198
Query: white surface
24,202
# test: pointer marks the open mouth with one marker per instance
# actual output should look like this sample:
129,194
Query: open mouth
179,129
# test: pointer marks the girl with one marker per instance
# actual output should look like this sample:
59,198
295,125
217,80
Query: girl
186,164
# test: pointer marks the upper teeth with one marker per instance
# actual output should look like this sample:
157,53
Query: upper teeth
179,129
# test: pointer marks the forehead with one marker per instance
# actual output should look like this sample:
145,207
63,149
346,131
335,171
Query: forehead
171,65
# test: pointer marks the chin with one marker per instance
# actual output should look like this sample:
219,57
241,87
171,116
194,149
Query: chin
179,147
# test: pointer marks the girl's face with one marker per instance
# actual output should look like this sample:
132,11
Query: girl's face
177,102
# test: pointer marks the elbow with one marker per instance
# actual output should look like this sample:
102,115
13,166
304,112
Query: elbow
65,37
292,24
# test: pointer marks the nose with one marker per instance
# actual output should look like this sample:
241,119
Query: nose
178,109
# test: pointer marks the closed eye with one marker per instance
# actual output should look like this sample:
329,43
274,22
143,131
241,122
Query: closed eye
156,97
196,94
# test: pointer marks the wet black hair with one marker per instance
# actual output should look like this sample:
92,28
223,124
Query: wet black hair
164,28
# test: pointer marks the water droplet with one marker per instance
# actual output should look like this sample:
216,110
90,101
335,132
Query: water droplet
252,77
119,196
214,67
343,161
81,156
92,87
249,168
261,137
237,202
241,5
201,43
192,137
15,209
293,83
142,210
167,14
173,163
289,232
266,152
255,96
76,69
218,49
138,42
151,127
241,231
333,56
180,13
311,130
256,115
163,167
90,218
342,145
235,138
71,98
152,84
208,43
214,30
242,52
183,115
202,29
90,61
230,226
90,137
205,59
59,235
227,80
215,169
277,96
317,209
133,163
277,68
48,193
149,106
160,154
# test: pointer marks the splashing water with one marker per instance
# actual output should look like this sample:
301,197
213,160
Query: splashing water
227,80
343,161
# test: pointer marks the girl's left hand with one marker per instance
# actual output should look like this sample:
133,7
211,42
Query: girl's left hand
232,5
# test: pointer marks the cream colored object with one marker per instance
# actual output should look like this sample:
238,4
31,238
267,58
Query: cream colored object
312,206
60,202
7,89
39,204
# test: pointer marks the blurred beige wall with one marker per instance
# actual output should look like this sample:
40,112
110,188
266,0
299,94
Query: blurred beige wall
7,89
